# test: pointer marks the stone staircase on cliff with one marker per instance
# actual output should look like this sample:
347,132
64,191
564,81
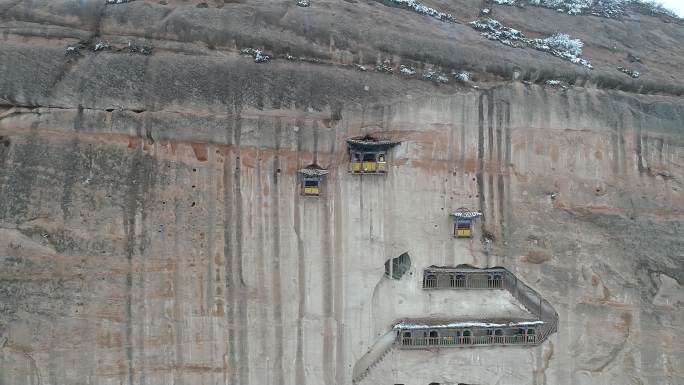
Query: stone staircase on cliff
467,278
380,349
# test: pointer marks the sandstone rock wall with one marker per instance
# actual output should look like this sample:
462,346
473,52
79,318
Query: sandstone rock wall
152,230
132,257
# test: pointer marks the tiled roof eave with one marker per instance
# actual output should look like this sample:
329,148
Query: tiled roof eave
466,214
465,324
313,171
372,144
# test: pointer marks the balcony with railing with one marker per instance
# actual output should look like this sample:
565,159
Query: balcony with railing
432,334
498,325
448,278
419,343
369,155
429,334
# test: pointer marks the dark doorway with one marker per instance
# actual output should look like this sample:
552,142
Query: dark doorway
396,267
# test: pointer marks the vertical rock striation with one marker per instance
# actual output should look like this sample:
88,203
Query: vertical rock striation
152,229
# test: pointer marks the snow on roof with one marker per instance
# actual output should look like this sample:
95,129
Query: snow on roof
465,268
369,141
465,213
313,170
464,324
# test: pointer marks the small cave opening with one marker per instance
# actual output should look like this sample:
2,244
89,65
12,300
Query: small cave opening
396,267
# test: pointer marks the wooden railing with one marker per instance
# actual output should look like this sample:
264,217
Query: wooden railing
427,342
368,167
497,278
534,303
462,279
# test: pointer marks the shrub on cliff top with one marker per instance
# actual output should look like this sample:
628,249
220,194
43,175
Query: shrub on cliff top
559,44
603,8
422,9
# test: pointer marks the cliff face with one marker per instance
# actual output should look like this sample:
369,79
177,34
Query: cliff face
152,229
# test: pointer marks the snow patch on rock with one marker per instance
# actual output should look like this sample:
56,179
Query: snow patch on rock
632,73
559,84
101,46
407,70
603,8
72,50
139,49
559,44
385,66
493,30
258,55
422,9
463,76
656,8
436,76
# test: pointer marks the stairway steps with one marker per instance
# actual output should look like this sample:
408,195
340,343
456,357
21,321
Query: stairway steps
371,366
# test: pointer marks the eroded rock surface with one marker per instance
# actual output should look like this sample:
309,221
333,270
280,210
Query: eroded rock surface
152,229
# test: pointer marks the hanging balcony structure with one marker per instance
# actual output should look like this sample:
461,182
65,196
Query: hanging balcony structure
312,178
435,333
368,155
463,222
435,277
529,328
429,333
